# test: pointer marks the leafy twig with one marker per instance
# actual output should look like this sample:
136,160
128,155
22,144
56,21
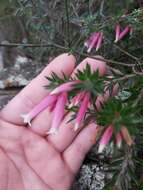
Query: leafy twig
67,21
68,49
126,53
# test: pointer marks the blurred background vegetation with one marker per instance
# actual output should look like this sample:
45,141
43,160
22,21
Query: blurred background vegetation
69,23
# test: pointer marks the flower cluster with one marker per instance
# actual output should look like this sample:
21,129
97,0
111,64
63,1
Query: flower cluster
106,137
119,119
86,96
95,40
60,98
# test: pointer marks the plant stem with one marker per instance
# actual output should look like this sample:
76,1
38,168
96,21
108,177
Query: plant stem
69,50
125,77
67,22
126,53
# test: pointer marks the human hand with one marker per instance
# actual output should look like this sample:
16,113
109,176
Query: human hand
29,159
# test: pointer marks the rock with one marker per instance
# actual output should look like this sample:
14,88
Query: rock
4,99
19,75
9,34
90,177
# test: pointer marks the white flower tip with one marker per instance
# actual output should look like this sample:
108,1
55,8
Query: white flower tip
76,127
26,119
101,148
73,104
70,105
86,44
119,145
97,49
53,92
116,40
89,50
52,131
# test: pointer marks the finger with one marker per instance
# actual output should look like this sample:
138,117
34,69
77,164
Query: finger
94,64
66,134
3,170
34,92
10,132
76,152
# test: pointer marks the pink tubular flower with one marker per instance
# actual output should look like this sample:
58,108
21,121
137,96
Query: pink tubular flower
64,87
119,140
99,42
77,99
122,34
94,41
47,101
117,32
105,138
82,110
91,38
58,113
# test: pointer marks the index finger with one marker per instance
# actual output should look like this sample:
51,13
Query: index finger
34,92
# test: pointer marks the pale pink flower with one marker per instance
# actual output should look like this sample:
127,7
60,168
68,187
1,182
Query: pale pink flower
119,140
126,136
105,138
47,101
58,115
68,86
82,111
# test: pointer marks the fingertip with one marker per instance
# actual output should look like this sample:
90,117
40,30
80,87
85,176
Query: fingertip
65,63
94,63
89,133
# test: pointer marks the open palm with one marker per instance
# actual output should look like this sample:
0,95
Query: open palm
29,160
